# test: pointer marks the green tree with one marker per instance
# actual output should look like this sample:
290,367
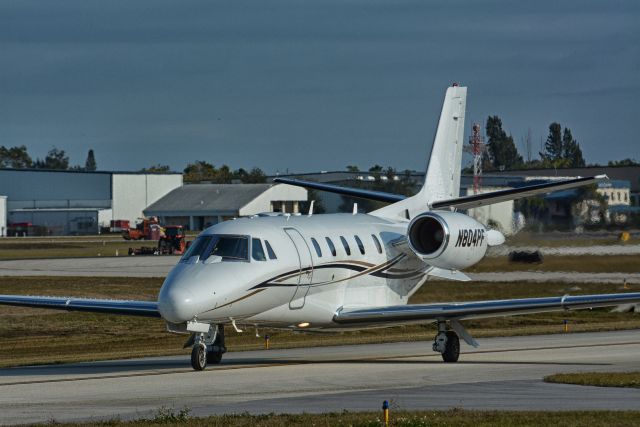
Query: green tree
571,150
156,168
223,175
255,176
199,171
502,150
561,150
553,147
353,168
624,162
90,164
240,174
56,159
15,157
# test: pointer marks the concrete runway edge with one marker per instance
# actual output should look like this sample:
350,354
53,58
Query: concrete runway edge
505,373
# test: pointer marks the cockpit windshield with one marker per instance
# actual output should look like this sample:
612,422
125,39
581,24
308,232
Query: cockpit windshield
228,247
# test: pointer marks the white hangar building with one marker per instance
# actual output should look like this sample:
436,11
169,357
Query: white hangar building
198,206
3,216
77,202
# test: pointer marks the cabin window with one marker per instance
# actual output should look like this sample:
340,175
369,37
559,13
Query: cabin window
360,244
257,252
347,249
272,254
317,247
377,243
331,247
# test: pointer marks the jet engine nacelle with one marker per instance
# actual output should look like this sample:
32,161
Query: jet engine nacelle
448,240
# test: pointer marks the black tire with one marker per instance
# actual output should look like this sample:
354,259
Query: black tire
214,357
452,349
199,357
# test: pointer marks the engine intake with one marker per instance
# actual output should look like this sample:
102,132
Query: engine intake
428,235
448,240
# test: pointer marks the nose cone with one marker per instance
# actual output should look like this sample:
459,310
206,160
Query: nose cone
177,304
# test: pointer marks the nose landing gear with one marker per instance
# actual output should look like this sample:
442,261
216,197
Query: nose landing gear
208,348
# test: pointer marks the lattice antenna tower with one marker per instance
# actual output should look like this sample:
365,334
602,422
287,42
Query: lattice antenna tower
477,148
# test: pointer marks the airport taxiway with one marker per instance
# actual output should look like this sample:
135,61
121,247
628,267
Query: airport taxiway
504,373
159,266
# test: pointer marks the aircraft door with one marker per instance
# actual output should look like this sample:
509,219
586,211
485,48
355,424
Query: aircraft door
305,263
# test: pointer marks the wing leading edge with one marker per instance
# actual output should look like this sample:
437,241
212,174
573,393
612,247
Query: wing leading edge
479,309
378,196
482,199
130,308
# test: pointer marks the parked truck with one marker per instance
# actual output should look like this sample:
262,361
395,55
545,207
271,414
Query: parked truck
172,242
146,229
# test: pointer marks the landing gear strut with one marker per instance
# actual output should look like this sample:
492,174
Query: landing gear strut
208,348
447,343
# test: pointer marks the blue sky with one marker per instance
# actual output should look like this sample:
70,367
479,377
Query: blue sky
306,86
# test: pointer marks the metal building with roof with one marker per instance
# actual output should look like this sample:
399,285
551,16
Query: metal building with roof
198,206
59,202
3,216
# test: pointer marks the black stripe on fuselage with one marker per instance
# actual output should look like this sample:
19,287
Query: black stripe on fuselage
374,270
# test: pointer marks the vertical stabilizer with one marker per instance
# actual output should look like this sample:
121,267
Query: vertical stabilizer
442,179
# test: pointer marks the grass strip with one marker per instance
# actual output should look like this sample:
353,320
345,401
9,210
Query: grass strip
454,417
577,263
598,379
38,336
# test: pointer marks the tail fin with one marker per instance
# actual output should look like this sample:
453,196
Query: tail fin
442,180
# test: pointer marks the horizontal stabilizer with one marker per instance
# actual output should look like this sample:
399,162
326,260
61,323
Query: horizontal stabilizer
482,199
466,202
379,196
399,314
130,308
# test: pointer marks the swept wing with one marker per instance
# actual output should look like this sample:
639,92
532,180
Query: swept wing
130,308
478,309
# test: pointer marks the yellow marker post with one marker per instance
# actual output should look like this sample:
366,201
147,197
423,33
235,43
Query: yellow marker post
566,325
266,342
385,412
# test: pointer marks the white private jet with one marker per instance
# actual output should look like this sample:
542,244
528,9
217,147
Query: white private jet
340,271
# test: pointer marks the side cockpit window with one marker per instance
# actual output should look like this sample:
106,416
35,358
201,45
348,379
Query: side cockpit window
227,247
230,248
272,254
257,252
197,248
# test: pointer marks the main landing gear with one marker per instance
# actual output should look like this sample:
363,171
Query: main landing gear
447,342
208,348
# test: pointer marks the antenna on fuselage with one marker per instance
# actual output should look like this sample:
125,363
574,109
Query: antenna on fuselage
311,207
355,208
